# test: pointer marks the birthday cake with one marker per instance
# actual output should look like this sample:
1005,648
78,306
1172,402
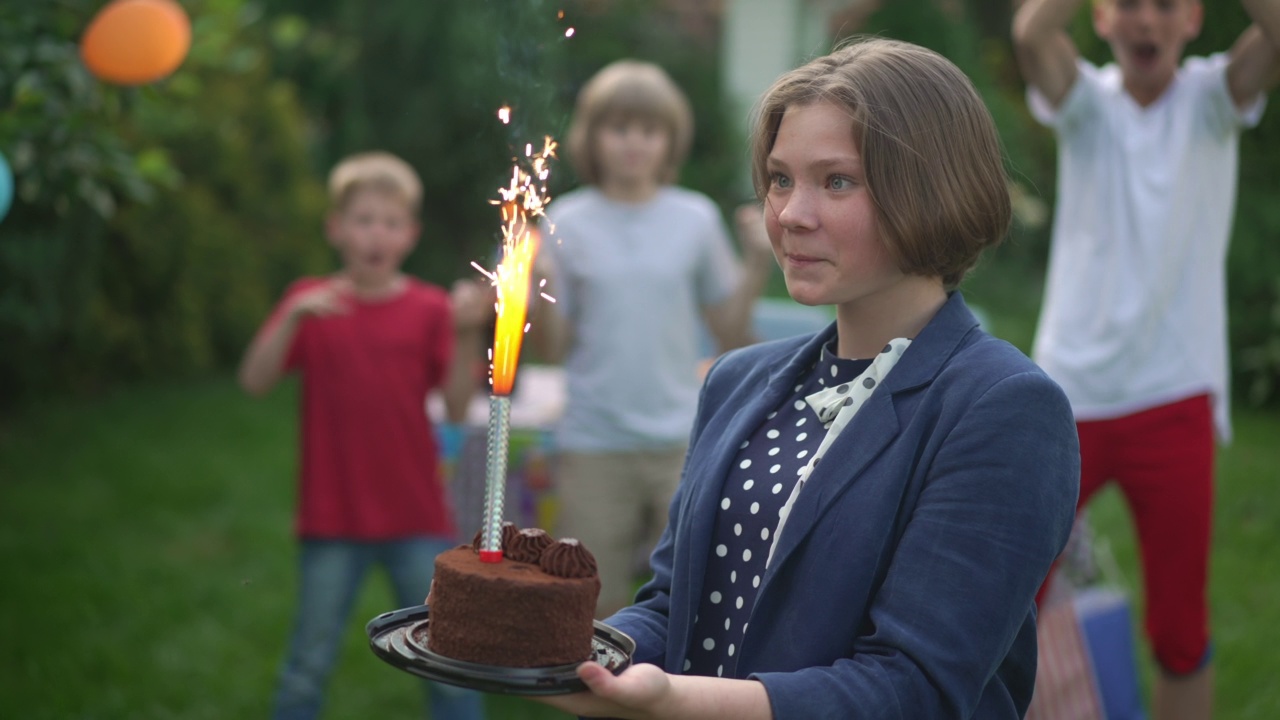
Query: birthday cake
535,608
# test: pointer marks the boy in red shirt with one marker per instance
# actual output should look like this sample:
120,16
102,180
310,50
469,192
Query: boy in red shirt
369,343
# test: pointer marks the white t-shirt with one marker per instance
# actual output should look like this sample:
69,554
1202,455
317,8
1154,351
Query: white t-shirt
632,279
1134,312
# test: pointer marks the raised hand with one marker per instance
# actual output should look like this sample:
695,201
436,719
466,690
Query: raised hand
472,302
329,298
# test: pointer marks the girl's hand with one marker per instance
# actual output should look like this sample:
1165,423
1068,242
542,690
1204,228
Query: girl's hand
640,692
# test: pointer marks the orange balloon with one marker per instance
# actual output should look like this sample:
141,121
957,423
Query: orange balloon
134,42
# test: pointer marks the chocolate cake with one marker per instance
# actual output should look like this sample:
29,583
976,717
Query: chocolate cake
533,609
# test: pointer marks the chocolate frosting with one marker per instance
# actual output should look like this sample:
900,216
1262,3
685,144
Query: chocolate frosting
509,533
567,558
527,545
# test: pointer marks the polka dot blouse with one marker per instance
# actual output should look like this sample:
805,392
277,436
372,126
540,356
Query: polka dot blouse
763,473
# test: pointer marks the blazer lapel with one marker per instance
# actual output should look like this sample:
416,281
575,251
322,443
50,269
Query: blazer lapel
739,416
873,429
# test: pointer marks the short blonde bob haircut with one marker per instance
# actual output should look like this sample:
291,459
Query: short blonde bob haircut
929,149
379,171
629,90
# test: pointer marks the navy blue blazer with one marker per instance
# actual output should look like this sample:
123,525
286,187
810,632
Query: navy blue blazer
903,584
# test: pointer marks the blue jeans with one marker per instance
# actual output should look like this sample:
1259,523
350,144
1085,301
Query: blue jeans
331,574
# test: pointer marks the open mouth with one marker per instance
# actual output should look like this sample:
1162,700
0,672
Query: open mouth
1145,53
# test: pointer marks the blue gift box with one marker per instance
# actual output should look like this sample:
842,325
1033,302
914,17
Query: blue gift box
1107,627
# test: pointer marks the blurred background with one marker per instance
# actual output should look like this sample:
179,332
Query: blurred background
146,505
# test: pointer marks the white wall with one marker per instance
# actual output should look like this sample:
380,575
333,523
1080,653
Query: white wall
765,38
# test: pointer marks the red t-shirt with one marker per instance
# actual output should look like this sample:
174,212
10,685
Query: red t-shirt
369,467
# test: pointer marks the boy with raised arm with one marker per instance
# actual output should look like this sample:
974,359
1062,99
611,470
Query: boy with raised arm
1133,324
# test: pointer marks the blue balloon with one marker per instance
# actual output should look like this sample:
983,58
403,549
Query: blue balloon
6,187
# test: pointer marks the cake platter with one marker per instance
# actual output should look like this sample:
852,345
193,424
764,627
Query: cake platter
400,638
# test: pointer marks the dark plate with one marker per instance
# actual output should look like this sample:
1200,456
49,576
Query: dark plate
394,637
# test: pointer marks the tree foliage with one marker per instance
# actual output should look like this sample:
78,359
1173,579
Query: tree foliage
152,225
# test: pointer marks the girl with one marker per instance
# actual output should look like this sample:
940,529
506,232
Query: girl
865,514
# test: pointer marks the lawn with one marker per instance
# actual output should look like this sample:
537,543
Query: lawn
148,563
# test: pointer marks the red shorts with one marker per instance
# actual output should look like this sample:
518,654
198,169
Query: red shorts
1162,461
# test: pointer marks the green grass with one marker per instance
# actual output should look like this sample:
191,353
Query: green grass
147,563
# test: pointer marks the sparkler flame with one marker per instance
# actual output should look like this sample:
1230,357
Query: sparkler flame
523,201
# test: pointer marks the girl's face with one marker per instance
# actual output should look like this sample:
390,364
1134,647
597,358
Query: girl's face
819,213
631,151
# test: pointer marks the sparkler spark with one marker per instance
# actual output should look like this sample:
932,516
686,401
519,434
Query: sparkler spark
522,202
504,114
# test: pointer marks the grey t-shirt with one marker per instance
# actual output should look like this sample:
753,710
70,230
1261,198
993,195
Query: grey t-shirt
632,279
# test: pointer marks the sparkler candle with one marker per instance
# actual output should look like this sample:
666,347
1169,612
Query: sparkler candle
522,202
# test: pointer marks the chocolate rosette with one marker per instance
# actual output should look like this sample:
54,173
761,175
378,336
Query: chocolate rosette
509,533
567,558
528,545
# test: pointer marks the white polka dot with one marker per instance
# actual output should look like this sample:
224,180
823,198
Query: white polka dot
773,451
733,576
720,671
746,555
802,454
800,405
800,422
777,488
755,508
744,630
748,484
771,415
745,464
687,663
737,528
772,434
801,437
833,370
715,597
709,644
724,504
739,602
755,581
764,533
726,623
731,648
744,444
721,550
775,469
797,388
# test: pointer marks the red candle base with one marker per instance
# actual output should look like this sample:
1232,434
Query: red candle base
491,556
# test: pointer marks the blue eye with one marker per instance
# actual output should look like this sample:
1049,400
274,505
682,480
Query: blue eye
779,181
840,182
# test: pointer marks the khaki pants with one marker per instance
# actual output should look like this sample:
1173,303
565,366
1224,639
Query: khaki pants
616,504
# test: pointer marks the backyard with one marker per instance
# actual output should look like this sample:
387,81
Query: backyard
145,540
